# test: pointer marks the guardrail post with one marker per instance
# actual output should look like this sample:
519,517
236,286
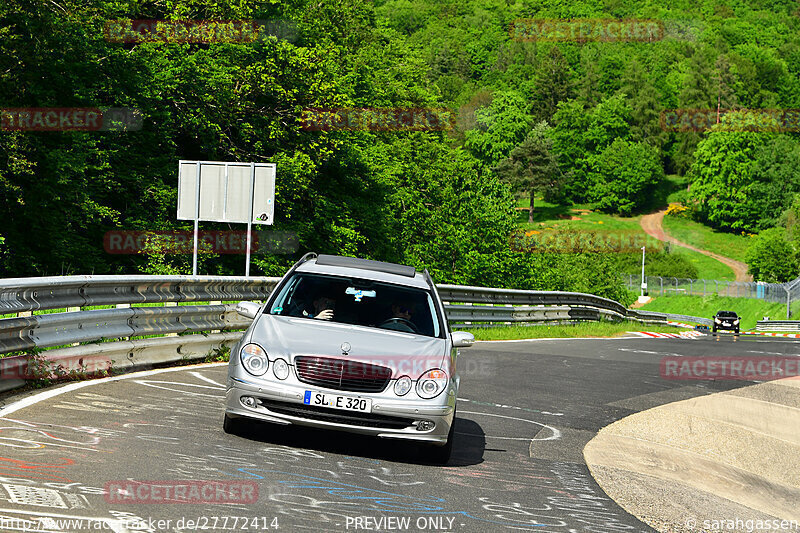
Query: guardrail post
788,302
660,279
691,287
171,304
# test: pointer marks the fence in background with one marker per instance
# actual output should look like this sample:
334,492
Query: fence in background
660,286
771,292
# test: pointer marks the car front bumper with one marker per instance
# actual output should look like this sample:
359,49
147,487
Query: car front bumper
391,417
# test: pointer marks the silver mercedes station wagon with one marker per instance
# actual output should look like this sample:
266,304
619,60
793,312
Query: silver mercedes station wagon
352,345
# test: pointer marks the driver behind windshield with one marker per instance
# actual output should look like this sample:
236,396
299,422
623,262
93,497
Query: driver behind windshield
400,320
402,310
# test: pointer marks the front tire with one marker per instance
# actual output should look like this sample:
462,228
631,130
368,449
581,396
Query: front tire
440,455
231,425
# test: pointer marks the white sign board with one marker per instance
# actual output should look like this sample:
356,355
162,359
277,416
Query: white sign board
225,191
220,191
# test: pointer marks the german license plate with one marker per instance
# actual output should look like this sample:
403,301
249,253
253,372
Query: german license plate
335,401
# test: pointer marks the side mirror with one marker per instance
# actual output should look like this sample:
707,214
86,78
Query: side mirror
462,339
248,309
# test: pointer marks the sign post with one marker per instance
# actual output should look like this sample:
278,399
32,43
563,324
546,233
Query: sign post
219,191
250,219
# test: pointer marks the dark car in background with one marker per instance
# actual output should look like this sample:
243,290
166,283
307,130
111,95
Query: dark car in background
726,321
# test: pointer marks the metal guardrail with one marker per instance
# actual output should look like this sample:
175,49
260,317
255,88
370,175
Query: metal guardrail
778,325
33,294
77,339
514,304
688,318
113,338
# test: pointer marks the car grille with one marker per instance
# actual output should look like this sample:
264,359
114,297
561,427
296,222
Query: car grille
342,374
312,412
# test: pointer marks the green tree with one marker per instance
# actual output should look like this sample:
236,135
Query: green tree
588,87
531,167
500,127
626,173
772,258
775,179
645,106
580,134
698,92
553,84
722,177
724,85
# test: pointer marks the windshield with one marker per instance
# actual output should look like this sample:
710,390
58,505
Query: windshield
358,301
727,314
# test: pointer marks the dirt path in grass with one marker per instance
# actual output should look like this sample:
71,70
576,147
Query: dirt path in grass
652,225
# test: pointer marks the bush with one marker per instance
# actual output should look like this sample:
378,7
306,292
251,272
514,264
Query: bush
772,257
677,210
664,263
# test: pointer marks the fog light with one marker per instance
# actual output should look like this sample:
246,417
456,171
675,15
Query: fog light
248,401
425,425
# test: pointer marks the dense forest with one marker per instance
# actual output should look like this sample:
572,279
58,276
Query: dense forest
570,121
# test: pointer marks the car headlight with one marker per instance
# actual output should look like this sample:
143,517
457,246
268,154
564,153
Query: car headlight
431,384
736,322
717,320
402,386
280,368
254,359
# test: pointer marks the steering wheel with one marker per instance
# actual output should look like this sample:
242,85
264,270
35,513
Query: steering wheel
405,325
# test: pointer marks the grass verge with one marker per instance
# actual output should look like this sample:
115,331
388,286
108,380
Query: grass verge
553,217
584,329
691,232
707,267
750,309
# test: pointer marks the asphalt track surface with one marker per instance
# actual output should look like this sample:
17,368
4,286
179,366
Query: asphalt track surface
525,412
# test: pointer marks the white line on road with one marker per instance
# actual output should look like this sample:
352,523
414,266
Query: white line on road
200,376
46,395
556,434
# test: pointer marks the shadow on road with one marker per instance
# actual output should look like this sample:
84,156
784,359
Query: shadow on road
468,446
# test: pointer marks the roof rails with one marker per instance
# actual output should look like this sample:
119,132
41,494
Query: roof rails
366,264
427,277
307,257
